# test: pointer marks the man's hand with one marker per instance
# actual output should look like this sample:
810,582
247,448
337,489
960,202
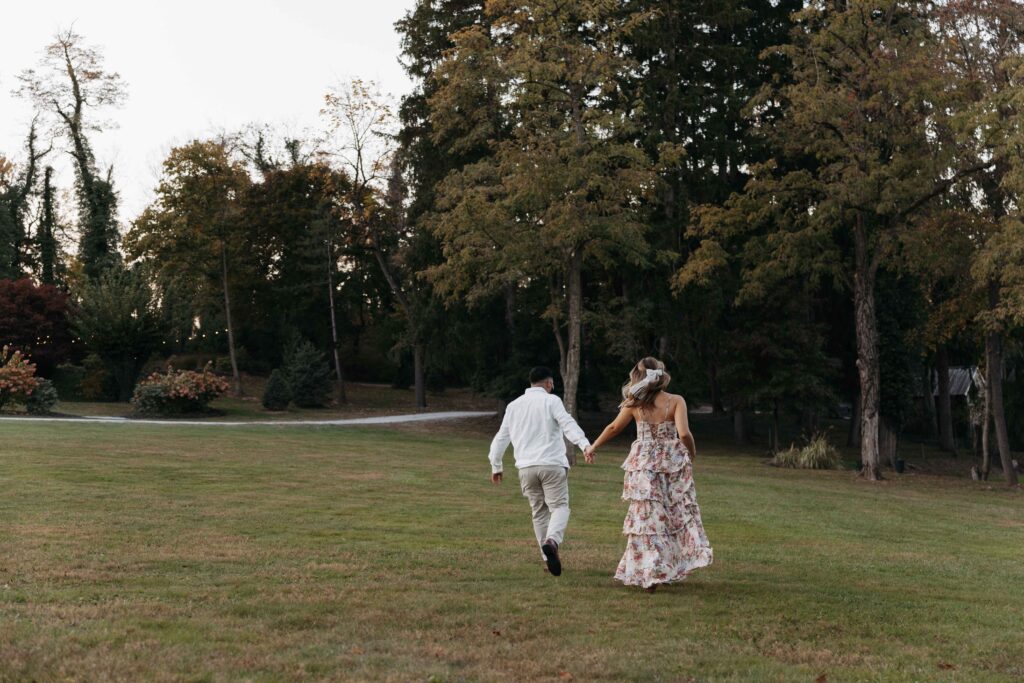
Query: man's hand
588,454
496,478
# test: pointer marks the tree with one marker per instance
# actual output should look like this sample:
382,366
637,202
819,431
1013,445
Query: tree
700,65
16,190
192,233
70,82
118,319
565,187
51,269
361,127
855,163
298,212
309,377
983,55
34,320
937,252
277,395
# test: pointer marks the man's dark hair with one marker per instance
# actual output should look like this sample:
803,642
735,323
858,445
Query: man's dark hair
539,374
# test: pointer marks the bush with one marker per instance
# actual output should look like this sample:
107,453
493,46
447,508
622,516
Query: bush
192,361
67,380
178,392
818,454
309,376
34,319
97,382
43,399
17,377
276,395
119,319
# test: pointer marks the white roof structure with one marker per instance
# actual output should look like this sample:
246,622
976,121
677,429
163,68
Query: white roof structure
961,381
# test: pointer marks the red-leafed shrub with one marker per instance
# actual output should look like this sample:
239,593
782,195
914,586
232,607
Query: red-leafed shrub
178,392
34,320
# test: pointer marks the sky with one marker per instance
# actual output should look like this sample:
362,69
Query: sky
197,67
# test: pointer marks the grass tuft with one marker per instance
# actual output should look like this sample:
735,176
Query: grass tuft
818,454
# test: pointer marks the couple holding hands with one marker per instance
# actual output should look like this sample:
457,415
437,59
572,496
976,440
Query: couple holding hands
665,536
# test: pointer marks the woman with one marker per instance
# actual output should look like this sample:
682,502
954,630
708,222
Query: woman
666,540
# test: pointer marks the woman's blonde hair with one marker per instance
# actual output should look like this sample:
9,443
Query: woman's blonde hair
646,380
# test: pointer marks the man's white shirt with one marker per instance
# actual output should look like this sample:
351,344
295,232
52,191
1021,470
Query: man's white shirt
534,423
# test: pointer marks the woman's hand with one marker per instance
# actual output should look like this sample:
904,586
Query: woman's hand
588,454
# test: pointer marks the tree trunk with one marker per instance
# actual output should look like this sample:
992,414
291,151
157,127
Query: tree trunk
572,354
340,378
738,428
774,440
931,424
986,417
994,363
418,376
571,373
887,442
853,436
867,351
717,406
237,389
944,404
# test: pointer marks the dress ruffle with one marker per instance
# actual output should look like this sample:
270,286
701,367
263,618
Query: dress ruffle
665,535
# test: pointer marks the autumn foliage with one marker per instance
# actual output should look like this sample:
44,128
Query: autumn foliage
17,377
177,392
34,320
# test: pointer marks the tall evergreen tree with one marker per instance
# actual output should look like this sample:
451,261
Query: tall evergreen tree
700,65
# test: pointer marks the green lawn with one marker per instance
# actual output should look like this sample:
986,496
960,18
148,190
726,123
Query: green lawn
363,400
132,552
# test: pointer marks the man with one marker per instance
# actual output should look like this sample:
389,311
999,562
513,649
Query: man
535,424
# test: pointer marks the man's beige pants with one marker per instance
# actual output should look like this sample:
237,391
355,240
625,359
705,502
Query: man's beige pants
547,489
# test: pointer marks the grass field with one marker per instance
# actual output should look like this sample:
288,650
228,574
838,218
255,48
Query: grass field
133,552
363,399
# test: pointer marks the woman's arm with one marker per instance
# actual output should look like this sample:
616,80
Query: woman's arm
617,425
683,427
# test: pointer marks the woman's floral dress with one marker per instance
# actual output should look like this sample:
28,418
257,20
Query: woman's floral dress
666,539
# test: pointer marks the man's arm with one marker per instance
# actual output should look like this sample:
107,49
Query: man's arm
570,429
498,446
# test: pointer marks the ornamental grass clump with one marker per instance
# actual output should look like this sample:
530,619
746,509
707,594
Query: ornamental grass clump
178,392
818,454
17,377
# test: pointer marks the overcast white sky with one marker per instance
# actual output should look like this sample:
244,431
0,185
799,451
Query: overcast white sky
195,67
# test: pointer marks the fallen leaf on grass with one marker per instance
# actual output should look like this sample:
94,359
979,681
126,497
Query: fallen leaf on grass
823,678
565,675
497,633
358,651
947,666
